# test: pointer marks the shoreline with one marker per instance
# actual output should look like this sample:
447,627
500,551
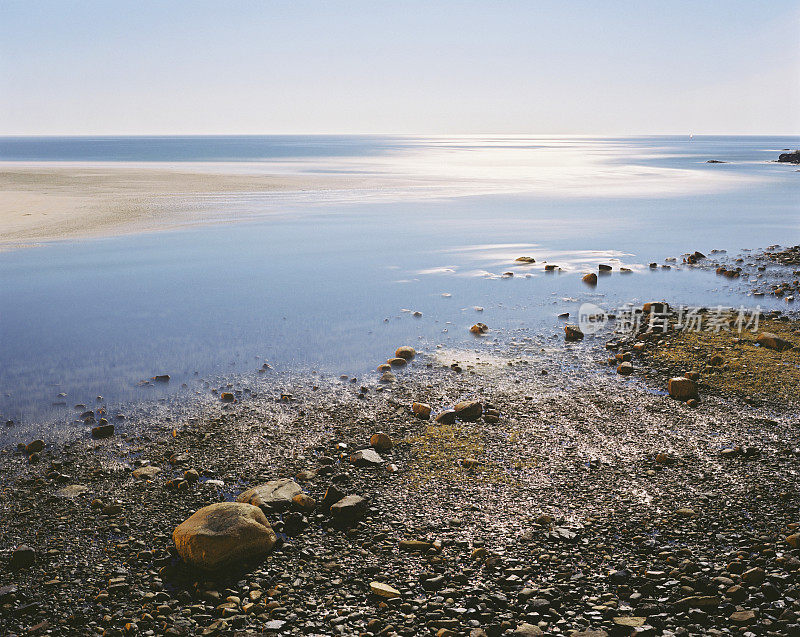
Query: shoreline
586,503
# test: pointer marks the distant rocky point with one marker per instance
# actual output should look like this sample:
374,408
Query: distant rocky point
792,157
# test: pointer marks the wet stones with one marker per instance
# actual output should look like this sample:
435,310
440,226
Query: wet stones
227,397
625,369
479,329
397,362
275,495
22,557
572,333
224,533
604,267
405,352
682,388
388,377
794,540
590,279
525,260
421,410
381,441
468,410
773,341
367,458
349,509
446,417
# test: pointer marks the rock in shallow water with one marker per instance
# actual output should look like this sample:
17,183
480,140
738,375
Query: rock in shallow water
224,533
405,352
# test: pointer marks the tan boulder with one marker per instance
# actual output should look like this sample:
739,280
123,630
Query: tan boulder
222,534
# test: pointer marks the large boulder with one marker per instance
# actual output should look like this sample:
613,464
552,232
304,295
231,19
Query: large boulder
773,341
274,495
224,533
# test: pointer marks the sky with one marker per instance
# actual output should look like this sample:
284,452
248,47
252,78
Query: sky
604,67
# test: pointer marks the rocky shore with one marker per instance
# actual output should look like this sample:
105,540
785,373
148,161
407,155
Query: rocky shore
534,494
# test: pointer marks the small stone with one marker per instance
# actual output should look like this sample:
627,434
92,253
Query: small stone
397,362
191,475
34,447
72,490
743,617
447,417
414,546
275,495
479,328
227,397
630,622
303,502
686,513
794,541
773,341
383,590
590,279
468,410
366,458
388,377
421,410
349,508
682,388
405,352
103,431
572,333
381,441
147,472
22,557
625,369
754,576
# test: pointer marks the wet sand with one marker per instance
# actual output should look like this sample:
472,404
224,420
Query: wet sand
43,202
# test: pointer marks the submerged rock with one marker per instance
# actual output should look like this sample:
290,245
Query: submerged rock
792,157
224,533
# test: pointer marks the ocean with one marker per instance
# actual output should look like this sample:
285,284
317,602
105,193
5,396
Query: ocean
329,280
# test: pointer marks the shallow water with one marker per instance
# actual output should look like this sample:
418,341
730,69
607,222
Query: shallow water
326,286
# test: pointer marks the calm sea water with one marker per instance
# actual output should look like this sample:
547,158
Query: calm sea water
327,288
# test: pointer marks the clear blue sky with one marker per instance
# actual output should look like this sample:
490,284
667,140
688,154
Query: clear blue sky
374,66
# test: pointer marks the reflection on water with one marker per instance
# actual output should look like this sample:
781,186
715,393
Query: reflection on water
326,289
